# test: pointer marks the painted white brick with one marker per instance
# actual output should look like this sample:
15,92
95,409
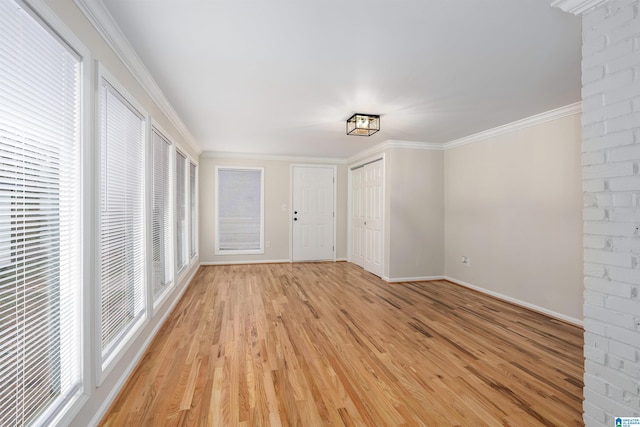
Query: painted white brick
625,215
595,415
625,244
631,369
625,183
610,288
631,152
610,81
614,96
626,275
622,33
597,327
597,44
605,316
593,158
608,170
597,143
595,299
596,384
608,405
593,102
594,214
591,19
593,130
594,340
593,74
595,242
609,229
590,199
623,63
616,51
611,111
623,200
594,270
622,350
628,306
629,121
614,376
593,186
608,258
604,199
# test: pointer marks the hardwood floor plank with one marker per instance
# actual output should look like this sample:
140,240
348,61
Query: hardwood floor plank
330,344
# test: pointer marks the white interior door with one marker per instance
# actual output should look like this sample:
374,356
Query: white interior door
374,210
367,216
313,213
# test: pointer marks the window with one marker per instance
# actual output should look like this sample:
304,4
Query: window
239,210
122,238
161,208
181,211
193,209
40,220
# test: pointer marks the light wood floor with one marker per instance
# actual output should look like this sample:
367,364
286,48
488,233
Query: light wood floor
330,344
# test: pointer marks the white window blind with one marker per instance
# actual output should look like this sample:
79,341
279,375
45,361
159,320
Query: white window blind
161,214
181,210
122,259
192,209
239,209
40,210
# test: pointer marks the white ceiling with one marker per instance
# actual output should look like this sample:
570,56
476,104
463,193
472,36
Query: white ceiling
282,76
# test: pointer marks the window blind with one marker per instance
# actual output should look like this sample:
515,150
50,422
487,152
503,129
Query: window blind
192,209
40,212
239,209
161,213
181,210
122,261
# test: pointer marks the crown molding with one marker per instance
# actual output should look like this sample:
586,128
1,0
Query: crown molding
547,116
385,145
577,7
101,19
251,156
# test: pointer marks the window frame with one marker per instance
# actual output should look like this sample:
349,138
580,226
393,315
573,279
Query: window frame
193,212
103,366
157,301
63,411
218,250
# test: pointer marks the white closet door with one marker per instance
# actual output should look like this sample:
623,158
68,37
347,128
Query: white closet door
367,216
374,217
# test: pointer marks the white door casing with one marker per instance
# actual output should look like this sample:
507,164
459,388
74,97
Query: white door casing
312,213
357,217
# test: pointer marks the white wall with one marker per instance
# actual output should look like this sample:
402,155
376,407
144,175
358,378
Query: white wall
513,205
415,198
277,188
611,155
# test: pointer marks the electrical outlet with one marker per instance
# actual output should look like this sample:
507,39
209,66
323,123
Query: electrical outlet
466,261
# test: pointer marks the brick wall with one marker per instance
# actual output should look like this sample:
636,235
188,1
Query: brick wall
611,173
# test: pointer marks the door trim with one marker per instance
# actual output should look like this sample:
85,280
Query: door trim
361,163
335,206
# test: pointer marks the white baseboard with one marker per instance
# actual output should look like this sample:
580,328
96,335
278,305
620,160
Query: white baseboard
516,301
411,279
134,362
270,261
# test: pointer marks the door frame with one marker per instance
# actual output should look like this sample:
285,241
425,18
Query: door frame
355,165
335,200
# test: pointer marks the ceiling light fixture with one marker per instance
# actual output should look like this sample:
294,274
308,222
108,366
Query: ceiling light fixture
363,124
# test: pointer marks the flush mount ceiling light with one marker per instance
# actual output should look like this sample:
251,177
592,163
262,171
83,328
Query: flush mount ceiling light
363,124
